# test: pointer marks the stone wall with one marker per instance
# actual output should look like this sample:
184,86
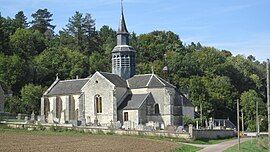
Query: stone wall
105,130
212,134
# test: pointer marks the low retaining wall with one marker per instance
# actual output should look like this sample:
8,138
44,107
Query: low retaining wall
97,130
212,134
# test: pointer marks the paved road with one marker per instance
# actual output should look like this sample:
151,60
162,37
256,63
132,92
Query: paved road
222,146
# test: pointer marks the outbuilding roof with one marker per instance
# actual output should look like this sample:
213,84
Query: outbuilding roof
148,81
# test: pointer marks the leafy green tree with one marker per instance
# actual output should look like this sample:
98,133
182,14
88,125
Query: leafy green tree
7,28
209,60
13,105
27,43
187,120
198,94
107,38
221,95
97,62
60,60
154,45
14,72
30,98
248,104
42,20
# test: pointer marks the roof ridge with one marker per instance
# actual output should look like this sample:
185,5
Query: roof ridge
159,80
73,79
140,75
166,81
51,87
149,80
147,94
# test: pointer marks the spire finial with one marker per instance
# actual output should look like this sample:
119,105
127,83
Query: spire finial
122,9
122,25
57,78
152,68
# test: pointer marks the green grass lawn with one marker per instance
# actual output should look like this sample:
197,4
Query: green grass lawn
187,148
251,145
209,141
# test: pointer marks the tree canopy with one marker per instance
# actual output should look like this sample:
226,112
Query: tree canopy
31,54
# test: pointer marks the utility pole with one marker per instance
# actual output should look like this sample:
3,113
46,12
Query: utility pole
201,113
238,126
268,102
243,129
257,120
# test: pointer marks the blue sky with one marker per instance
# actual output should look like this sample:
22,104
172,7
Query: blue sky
241,26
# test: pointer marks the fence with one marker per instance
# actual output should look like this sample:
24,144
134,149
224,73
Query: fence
9,117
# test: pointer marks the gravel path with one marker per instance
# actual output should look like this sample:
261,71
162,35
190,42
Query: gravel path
222,146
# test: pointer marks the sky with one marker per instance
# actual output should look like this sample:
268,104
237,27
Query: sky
240,26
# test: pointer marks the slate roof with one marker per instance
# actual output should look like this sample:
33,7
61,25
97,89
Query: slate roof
186,102
115,79
148,81
133,101
67,87
123,48
122,25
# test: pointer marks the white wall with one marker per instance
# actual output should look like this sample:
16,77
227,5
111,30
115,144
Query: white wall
98,85
133,117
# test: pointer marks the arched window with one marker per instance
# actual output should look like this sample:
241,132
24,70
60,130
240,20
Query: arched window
156,109
98,101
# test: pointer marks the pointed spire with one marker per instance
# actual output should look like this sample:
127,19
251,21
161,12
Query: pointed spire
57,78
122,26
152,69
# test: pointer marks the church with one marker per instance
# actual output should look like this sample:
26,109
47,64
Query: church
121,96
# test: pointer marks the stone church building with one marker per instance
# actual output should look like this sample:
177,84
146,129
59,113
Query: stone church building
120,96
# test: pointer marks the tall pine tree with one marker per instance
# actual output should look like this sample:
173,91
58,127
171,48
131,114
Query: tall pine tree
42,19
20,20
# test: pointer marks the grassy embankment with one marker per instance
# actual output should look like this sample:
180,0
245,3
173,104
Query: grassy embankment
256,145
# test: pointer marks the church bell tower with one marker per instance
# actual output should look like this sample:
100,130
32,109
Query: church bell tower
123,55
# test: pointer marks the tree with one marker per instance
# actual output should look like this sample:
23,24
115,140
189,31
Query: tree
154,45
67,63
42,19
14,72
27,43
248,104
20,20
199,95
221,94
83,31
107,37
97,62
7,28
30,98
13,105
